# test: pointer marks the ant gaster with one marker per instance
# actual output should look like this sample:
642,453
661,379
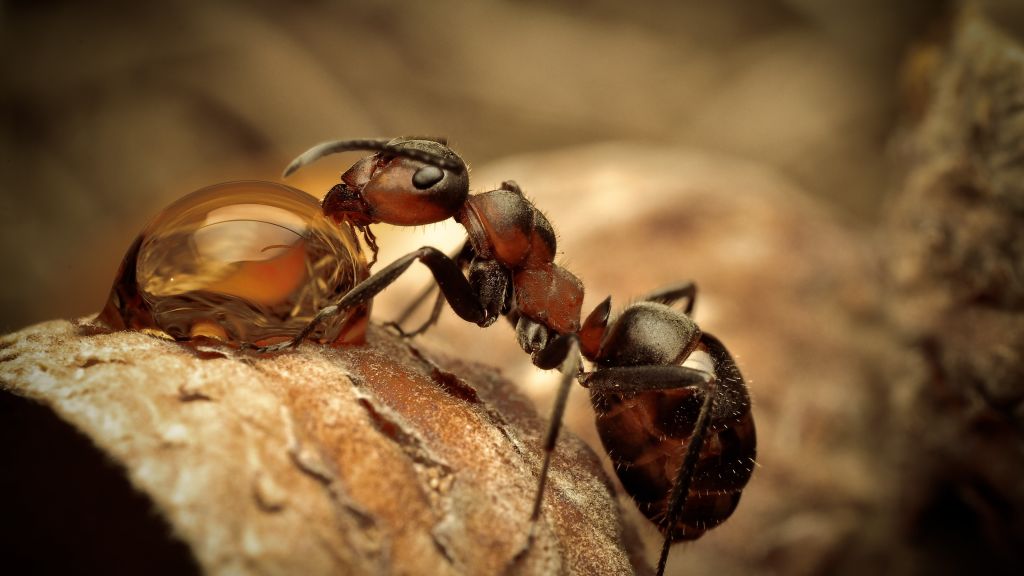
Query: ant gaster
681,438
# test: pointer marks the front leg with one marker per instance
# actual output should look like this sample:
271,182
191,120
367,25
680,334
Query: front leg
457,290
462,257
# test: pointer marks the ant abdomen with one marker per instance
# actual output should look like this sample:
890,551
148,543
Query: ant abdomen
647,433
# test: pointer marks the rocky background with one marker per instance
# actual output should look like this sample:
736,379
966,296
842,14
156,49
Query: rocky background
843,182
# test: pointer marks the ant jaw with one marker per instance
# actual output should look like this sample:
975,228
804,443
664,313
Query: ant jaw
342,204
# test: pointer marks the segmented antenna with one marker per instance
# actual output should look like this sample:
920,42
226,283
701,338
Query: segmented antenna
334,147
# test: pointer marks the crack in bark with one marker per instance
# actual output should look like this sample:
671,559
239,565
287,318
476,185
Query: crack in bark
407,441
93,361
306,462
346,511
435,475
186,394
448,381
458,388
268,496
87,329
442,548
205,352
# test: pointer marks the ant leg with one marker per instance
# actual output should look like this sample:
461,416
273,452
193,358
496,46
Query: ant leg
645,378
684,475
672,294
490,282
456,288
649,378
511,186
565,351
435,313
728,387
461,257
411,308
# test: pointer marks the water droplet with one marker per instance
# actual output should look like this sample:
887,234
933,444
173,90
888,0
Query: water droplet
240,262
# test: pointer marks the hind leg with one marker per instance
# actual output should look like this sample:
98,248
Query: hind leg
672,294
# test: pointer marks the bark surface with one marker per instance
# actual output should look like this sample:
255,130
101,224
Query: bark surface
379,459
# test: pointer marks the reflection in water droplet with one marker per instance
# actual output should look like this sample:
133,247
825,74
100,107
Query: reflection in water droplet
241,262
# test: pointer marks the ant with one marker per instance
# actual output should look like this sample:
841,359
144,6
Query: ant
682,438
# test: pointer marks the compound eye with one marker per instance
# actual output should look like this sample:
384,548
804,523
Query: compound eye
426,177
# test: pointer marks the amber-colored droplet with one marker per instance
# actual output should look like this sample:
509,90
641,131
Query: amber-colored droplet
241,262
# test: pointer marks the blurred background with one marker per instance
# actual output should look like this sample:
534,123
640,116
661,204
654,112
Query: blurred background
111,110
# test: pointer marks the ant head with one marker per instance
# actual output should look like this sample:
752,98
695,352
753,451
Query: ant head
407,182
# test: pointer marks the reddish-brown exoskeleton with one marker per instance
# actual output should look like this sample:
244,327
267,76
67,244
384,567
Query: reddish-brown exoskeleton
681,437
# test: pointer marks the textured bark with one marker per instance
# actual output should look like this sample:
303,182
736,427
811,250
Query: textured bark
363,460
